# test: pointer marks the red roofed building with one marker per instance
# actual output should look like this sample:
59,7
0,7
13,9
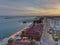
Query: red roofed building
35,32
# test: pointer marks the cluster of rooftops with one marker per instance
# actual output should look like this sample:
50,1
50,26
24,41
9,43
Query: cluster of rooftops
29,36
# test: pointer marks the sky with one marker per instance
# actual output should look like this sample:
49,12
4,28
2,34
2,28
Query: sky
29,7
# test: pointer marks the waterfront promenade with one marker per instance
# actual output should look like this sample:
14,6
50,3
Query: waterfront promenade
5,40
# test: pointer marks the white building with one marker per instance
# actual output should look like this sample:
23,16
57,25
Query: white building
54,23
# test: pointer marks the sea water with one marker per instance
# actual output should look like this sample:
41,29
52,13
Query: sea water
11,25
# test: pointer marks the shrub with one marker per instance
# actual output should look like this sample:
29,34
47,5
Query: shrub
10,40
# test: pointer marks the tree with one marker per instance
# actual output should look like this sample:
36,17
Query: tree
40,20
10,40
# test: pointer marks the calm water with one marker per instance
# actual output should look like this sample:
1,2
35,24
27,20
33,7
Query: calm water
10,25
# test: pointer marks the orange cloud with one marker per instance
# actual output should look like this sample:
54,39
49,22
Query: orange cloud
40,12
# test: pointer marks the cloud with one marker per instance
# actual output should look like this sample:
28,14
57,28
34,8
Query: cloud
29,7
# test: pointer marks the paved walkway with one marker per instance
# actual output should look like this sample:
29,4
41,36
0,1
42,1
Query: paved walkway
4,41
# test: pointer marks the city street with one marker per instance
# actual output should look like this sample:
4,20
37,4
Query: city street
46,38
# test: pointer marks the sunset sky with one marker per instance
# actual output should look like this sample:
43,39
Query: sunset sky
29,7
